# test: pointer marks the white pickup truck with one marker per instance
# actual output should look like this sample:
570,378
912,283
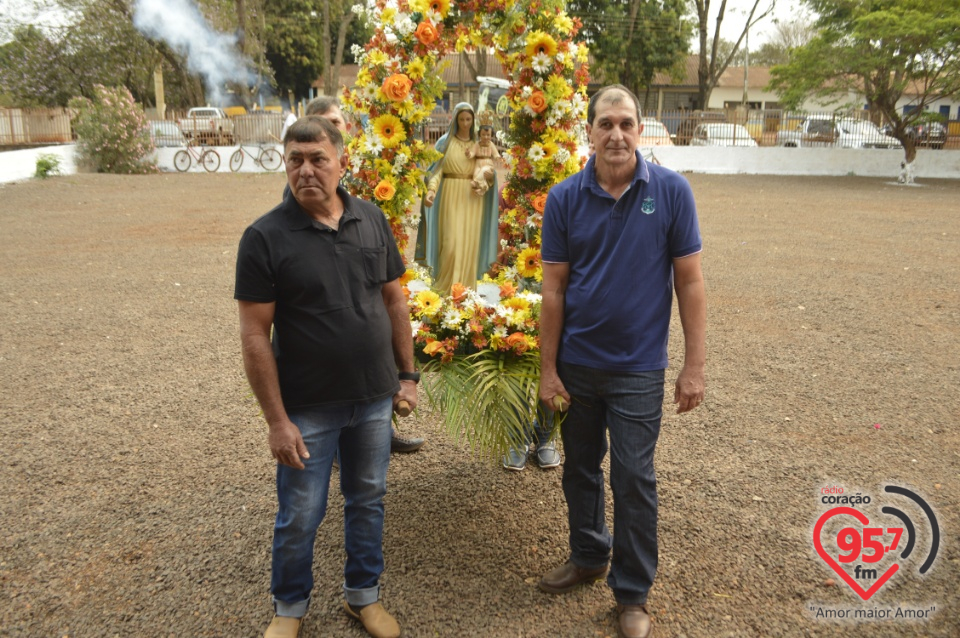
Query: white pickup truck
208,125
841,132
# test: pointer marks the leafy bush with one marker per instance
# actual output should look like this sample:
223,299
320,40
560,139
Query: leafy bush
112,135
47,165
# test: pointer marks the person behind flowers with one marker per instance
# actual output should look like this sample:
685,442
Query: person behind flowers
619,238
327,349
458,234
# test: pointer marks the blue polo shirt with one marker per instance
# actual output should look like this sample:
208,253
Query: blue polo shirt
620,252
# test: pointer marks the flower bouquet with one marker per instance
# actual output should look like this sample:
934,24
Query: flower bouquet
479,350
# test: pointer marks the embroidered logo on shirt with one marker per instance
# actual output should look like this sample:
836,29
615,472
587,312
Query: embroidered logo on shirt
647,208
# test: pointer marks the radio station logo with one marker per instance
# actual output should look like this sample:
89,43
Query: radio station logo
867,551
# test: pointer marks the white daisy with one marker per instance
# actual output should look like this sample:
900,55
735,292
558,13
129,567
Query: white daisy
535,154
541,63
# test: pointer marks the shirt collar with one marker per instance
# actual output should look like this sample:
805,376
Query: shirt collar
588,176
298,219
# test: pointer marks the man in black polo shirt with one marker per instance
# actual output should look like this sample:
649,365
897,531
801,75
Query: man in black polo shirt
325,328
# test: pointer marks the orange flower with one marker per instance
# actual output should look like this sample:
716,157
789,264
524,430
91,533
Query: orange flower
433,347
458,291
384,191
507,289
397,87
517,342
537,102
426,33
539,202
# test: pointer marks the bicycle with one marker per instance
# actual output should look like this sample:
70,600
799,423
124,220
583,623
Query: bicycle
269,158
648,156
205,157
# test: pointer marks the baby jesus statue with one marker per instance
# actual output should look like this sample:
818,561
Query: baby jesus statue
485,155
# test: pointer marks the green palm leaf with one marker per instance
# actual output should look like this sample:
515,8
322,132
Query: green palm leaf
488,399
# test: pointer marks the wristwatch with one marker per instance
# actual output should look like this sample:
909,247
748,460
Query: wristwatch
410,376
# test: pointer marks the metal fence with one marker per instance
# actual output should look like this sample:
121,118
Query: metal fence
761,125
20,127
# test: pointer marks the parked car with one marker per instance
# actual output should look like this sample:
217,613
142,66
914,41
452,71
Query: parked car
690,123
654,133
722,135
932,134
165,133
208,125
818,131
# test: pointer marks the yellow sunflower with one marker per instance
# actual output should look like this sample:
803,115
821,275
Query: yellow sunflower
440,6
389,129
540,42
428,302
528,262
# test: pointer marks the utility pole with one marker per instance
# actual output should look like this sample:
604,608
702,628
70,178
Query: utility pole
746,67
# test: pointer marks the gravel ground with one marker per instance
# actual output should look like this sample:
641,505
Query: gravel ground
137,497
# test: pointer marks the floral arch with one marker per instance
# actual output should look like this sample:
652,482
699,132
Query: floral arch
483,347
400,80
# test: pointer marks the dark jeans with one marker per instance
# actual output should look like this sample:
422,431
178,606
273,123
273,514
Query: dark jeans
629,406
361,433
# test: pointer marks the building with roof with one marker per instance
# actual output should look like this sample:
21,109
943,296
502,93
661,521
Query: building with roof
666,94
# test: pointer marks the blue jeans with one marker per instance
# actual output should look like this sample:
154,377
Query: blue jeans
361,432
629,406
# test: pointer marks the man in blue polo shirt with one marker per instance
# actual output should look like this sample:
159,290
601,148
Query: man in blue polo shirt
619,238
328,351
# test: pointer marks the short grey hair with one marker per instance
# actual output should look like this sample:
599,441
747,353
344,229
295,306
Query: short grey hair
601,96
314,128
322,105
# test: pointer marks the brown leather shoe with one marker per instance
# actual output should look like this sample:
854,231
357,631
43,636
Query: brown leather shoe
633,621
283,627
376,620
569,576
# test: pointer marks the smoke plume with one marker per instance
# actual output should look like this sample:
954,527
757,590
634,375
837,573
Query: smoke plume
209,53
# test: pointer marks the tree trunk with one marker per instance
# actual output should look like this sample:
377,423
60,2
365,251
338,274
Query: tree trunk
478,70
329,84
242,89
341,43
906,166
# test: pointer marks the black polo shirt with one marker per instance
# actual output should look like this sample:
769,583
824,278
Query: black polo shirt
332,337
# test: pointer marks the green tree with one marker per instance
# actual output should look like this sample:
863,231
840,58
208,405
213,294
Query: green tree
880,49
97,45
631,40
294,46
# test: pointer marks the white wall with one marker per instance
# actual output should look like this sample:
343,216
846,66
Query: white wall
20,165
807,161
